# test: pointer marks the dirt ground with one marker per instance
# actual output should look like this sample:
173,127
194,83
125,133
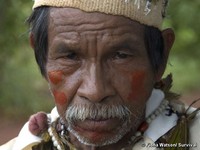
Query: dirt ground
10,128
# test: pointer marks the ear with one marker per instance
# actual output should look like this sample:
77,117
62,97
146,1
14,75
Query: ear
31,40
168,39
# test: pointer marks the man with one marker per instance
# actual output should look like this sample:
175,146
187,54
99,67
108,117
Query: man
103,60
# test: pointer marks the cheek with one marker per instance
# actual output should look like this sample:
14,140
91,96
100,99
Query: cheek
137,85
60,97
55,77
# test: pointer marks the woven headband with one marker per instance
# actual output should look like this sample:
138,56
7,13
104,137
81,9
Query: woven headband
148,12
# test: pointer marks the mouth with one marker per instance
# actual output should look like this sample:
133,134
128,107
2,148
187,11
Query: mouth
98,125
97,129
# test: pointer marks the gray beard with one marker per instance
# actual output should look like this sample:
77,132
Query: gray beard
98,111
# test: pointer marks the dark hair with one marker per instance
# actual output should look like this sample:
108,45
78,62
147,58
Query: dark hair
38,22
155,46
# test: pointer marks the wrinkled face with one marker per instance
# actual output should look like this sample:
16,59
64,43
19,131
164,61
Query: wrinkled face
99,73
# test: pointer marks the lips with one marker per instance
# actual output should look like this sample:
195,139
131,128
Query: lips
97,125
96,130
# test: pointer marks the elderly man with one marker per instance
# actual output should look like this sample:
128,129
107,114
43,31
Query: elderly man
103,60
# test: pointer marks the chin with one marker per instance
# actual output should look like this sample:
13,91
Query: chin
99,137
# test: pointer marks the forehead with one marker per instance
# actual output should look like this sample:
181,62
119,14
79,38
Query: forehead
70,19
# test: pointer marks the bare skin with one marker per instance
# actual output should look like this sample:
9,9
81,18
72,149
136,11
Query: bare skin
100,59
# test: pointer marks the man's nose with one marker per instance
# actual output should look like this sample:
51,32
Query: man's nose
95,86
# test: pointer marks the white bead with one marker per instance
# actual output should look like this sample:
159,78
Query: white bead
152,117
58,147
166,102
49,129
62,133
53,138
50,132
162,107
55,143
138,133
48,116
157,113
148,120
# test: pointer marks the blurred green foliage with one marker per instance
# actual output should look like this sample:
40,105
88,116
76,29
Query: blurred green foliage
22,89
184,62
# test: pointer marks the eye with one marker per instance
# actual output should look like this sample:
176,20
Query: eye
72,56
121,55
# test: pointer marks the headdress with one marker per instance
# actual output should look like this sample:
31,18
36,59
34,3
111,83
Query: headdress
148,12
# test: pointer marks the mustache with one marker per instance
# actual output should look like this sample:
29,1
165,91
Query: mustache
82,112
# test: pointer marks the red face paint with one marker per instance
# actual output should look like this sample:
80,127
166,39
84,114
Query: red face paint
60,97
55,76
137,85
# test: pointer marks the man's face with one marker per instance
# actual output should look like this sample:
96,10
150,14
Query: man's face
99,73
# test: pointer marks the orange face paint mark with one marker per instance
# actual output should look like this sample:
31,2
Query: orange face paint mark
55,76
137,85
60,97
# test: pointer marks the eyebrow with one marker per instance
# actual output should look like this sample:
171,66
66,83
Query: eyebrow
63,47
126,42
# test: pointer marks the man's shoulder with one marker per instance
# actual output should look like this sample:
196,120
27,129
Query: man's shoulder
192,120
194,127
8,145
24,139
